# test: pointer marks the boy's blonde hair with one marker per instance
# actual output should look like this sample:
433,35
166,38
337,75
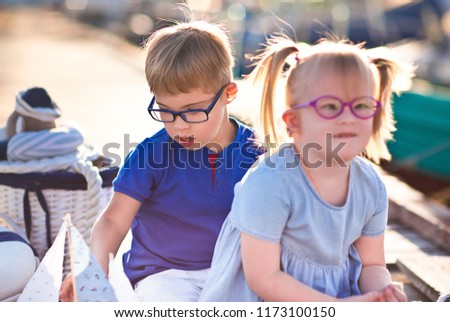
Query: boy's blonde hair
188,56
375,66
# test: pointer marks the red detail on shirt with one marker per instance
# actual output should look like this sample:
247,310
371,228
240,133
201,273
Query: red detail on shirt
212,157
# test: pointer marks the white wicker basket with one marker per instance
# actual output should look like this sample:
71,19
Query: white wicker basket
24,189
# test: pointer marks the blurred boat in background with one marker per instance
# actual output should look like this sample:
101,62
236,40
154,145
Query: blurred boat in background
422,139
421,146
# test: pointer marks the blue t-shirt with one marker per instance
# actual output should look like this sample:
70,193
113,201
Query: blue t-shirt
185,195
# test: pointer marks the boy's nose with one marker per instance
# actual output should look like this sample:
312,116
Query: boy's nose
180,124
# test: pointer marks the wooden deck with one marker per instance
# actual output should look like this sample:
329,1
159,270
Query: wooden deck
417,243
422,268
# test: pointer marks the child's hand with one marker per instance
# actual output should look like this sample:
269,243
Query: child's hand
66,291
368,297
394,293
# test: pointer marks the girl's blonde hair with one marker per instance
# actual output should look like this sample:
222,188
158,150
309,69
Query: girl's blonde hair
188,56
375,66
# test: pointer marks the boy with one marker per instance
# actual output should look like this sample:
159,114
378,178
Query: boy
176,188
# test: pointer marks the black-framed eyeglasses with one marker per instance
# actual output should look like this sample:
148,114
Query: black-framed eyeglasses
330,107
197,115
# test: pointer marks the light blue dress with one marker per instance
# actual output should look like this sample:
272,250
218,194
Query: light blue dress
276,202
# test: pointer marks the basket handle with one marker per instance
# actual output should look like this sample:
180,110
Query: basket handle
93,178
27,209
94,185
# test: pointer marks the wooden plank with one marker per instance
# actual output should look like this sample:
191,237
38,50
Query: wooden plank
402,242
412,293
414,210
428,273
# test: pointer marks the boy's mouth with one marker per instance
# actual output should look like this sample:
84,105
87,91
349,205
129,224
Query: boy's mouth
185,141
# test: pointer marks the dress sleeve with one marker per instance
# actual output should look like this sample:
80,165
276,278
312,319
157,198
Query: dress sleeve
377,222
261,205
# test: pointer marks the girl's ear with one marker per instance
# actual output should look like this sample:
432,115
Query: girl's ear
231,91
291,120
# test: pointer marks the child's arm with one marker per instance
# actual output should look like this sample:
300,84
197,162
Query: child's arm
261,263
108,232
112,226
374,275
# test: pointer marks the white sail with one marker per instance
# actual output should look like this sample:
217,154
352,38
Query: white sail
90,281
45,283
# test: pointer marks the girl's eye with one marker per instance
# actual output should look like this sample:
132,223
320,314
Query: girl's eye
361,106
329,107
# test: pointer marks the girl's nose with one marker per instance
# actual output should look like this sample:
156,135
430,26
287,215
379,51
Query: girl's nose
347,116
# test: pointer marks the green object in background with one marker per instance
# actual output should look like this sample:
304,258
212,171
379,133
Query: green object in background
422,139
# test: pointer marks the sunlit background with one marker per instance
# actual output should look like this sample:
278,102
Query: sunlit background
420,28
418,31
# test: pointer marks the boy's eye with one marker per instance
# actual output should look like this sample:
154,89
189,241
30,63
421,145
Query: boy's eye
193,112
193,109
189,110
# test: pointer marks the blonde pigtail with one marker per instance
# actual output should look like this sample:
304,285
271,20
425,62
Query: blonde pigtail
268,70
391,73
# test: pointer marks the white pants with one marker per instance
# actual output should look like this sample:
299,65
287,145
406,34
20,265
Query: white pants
172,285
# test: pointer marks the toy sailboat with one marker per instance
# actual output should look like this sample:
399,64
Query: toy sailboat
89,280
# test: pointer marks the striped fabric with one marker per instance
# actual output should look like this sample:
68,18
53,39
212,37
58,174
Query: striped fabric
42,113
27,146
3,135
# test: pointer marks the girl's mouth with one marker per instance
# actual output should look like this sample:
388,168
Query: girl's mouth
344,135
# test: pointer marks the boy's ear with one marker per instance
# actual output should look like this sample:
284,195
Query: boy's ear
231,91
291,120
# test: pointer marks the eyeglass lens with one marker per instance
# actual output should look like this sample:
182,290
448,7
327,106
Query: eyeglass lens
187,116
329,107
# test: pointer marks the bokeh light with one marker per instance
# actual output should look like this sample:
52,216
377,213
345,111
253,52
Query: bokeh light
76,4
140,24
236,12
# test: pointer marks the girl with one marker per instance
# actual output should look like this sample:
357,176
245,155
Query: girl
307,223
